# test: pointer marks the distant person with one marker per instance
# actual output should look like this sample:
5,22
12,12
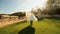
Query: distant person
31,18
31,23
0,16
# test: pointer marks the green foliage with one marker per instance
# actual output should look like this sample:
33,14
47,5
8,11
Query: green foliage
53,7
19,14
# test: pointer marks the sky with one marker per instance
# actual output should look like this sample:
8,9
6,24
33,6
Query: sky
11,6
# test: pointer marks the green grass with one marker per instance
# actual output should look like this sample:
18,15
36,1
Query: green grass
44,26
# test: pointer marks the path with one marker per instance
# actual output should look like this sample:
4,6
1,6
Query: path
10,22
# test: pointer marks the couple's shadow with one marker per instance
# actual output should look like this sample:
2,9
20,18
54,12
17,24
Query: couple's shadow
27,30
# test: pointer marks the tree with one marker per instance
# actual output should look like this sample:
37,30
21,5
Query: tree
19,14
52,6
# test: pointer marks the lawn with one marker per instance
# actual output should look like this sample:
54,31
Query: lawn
44,26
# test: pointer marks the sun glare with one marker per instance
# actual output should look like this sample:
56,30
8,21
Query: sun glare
41,3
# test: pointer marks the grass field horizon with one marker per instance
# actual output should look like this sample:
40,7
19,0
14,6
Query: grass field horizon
44,26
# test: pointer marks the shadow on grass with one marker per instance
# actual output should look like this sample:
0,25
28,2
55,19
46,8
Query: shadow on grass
27,30
56,18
